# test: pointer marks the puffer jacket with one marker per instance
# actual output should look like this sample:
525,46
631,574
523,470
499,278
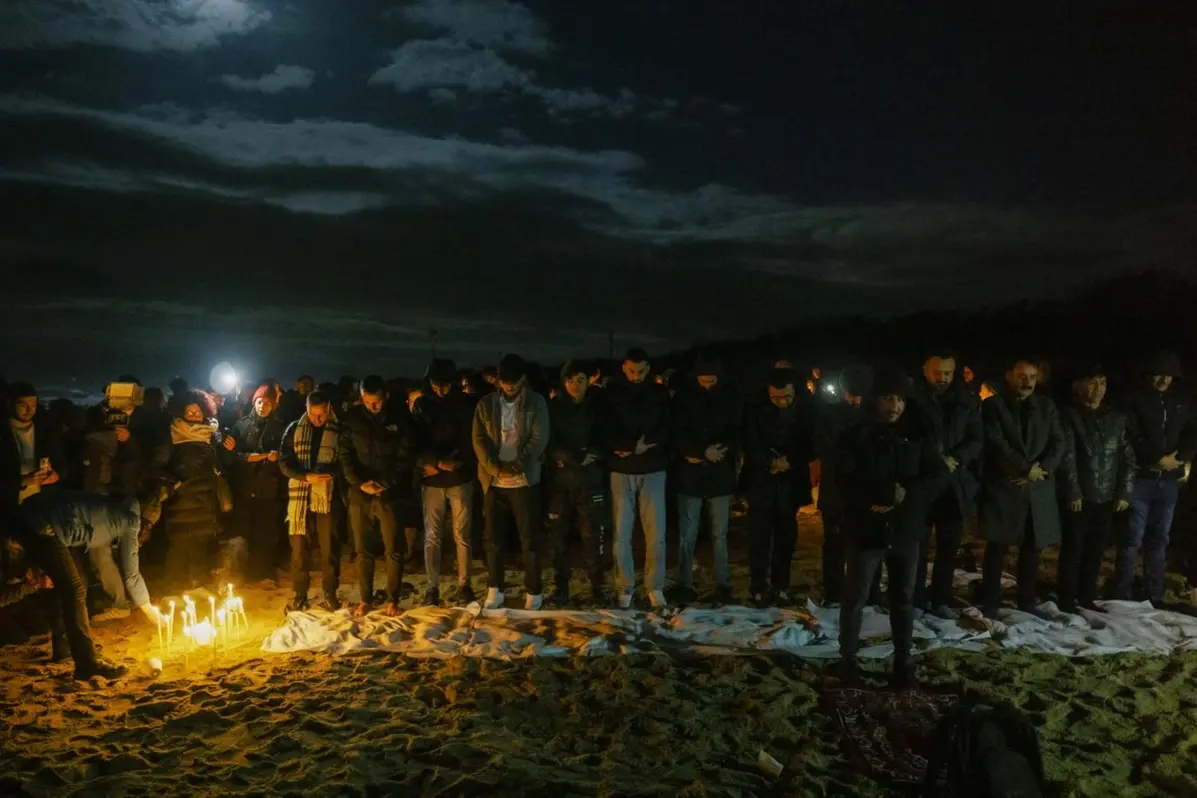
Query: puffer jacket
1099,465
194,503
256,435
372,449
1158,423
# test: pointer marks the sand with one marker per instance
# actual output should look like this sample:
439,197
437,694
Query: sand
641,724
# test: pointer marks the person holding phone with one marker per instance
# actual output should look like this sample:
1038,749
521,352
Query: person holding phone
26,452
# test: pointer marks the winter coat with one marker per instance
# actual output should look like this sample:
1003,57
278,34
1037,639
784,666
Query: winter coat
1099,466
953,420
768,433
46,443
574,433
832,421
1158,423
534,436
701,418
631,411
373,448
444,430
194,502
1008,456
256,435
874,457
110,467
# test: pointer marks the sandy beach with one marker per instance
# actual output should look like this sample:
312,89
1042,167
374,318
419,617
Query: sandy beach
640,724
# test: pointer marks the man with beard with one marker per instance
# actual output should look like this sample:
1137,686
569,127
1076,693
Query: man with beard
636,430
26,451
309,460
1024,447
256,441
576,482
371,452
952,418
888,473
444,419
1162,430
706,418
778,448
1098,480
511,432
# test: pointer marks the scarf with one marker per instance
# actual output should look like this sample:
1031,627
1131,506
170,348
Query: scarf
301,495
183,431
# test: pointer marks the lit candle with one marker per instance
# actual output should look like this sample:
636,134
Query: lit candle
170,626
158,622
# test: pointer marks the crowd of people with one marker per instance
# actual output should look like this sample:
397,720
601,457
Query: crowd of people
388,469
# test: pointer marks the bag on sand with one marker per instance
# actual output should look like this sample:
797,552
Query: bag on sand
984,749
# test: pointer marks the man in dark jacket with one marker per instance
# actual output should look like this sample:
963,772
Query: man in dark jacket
833,420
371,451
706,418
952,418
888,474
1024,447
1098,479
575,476
1163,432
28,453
445,463
775,479
636,430
257,482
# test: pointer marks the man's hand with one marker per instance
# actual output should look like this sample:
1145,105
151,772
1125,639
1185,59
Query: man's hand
255,458
508,470
779,465
1169,462
272,457
152,613
952,463
447,465
694,460
899,494
230,443
1036,474
622,454
371,488
1121,506
715,452
590,459
1076,505
317,479
1018,482
431,470
642,447
880,508
49,477
122,434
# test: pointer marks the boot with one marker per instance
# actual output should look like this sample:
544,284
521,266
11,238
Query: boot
904,677
848,671
99,667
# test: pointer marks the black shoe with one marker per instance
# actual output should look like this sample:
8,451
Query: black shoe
990,611
60,649
760,599
1092,607
1067,605
598,597
465,595
330,605
848,671
904,677
432,597
684,595
296,605
559,597
723,596
99,667
782,598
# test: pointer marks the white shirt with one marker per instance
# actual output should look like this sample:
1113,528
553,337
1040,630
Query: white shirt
509,444
27,448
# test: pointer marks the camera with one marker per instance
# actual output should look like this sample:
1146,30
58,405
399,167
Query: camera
120,400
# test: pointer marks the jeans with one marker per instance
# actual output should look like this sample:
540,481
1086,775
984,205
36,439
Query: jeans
504,508
109,574
70,594
363,511
1153,503
902,563
645,492
1086,535
459,501
949,530
589,507
1028,571
322,525
689,513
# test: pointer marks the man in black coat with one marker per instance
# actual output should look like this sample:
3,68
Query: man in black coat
888,473
258,483
778,447
1163,432
706,419
575,479
952,417
371,451
1098,478
1024,448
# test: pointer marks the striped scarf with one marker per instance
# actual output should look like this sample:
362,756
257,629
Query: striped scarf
302,496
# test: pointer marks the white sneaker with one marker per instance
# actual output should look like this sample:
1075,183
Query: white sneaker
625,601
494,598
533,602
657,599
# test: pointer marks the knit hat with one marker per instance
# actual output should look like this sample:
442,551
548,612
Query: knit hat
891,382
266,390
511,368
1165,363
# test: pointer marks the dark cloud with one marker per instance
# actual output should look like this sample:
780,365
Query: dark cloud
285,77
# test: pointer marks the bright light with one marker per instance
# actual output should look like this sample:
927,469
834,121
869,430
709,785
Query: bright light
223,378
830,388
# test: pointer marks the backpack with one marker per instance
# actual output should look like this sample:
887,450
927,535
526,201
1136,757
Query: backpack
984,749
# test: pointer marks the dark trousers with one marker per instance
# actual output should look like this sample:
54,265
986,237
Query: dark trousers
261,518
1086,535
1149,527
363,512
505,508
189,554
1028,571
864,564
588,506
834,556
321,526
946,520
772,536
68,612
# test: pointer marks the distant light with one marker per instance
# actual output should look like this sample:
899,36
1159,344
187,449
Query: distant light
829,387
223,378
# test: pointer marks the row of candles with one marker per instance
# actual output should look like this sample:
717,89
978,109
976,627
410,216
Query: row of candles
227,620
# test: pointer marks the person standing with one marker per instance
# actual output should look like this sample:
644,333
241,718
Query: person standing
511,433
28,452
888,473
576,489
256,441
309,461
1163,432
1024,448
778,448
636,430
1098,481
706,419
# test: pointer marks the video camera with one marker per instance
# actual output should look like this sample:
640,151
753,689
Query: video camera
120,400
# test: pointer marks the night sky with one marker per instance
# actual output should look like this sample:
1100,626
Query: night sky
313,185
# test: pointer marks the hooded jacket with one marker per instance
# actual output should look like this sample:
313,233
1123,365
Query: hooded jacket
575,432
631,411
771,432
444,431
1160,422
702,418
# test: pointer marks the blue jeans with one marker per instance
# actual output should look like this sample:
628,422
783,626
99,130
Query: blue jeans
1152,506
447,507
645,492
689,510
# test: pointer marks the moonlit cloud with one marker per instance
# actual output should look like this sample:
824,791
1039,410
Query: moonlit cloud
283,78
